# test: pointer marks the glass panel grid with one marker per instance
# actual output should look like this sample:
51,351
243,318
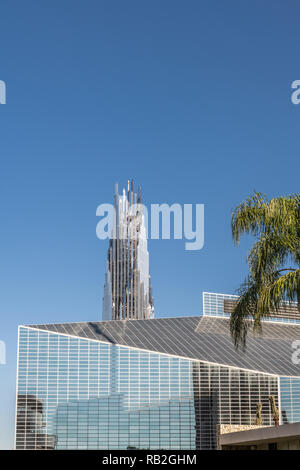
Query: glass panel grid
290,399
213,306
74,393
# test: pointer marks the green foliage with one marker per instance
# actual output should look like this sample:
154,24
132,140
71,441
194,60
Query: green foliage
274,259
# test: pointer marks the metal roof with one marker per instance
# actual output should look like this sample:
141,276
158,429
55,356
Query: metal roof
202,338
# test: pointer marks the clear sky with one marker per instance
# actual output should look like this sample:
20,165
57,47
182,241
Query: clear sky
191,99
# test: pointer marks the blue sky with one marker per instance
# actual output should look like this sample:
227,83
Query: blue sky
190,99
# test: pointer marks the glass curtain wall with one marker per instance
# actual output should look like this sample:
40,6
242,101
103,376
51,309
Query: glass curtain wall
75,393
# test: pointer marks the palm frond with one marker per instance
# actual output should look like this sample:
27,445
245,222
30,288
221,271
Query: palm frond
286,286
274,259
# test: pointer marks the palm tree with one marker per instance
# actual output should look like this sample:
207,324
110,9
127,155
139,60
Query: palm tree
274,260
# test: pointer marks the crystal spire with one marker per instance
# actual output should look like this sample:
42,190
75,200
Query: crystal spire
127,290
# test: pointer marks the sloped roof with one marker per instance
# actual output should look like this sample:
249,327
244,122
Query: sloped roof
202,338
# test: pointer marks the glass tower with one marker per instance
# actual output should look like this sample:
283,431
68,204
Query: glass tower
127,289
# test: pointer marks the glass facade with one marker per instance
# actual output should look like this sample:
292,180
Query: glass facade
213,306
76,393
290,399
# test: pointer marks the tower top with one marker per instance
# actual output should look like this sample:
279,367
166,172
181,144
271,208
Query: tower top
127,290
